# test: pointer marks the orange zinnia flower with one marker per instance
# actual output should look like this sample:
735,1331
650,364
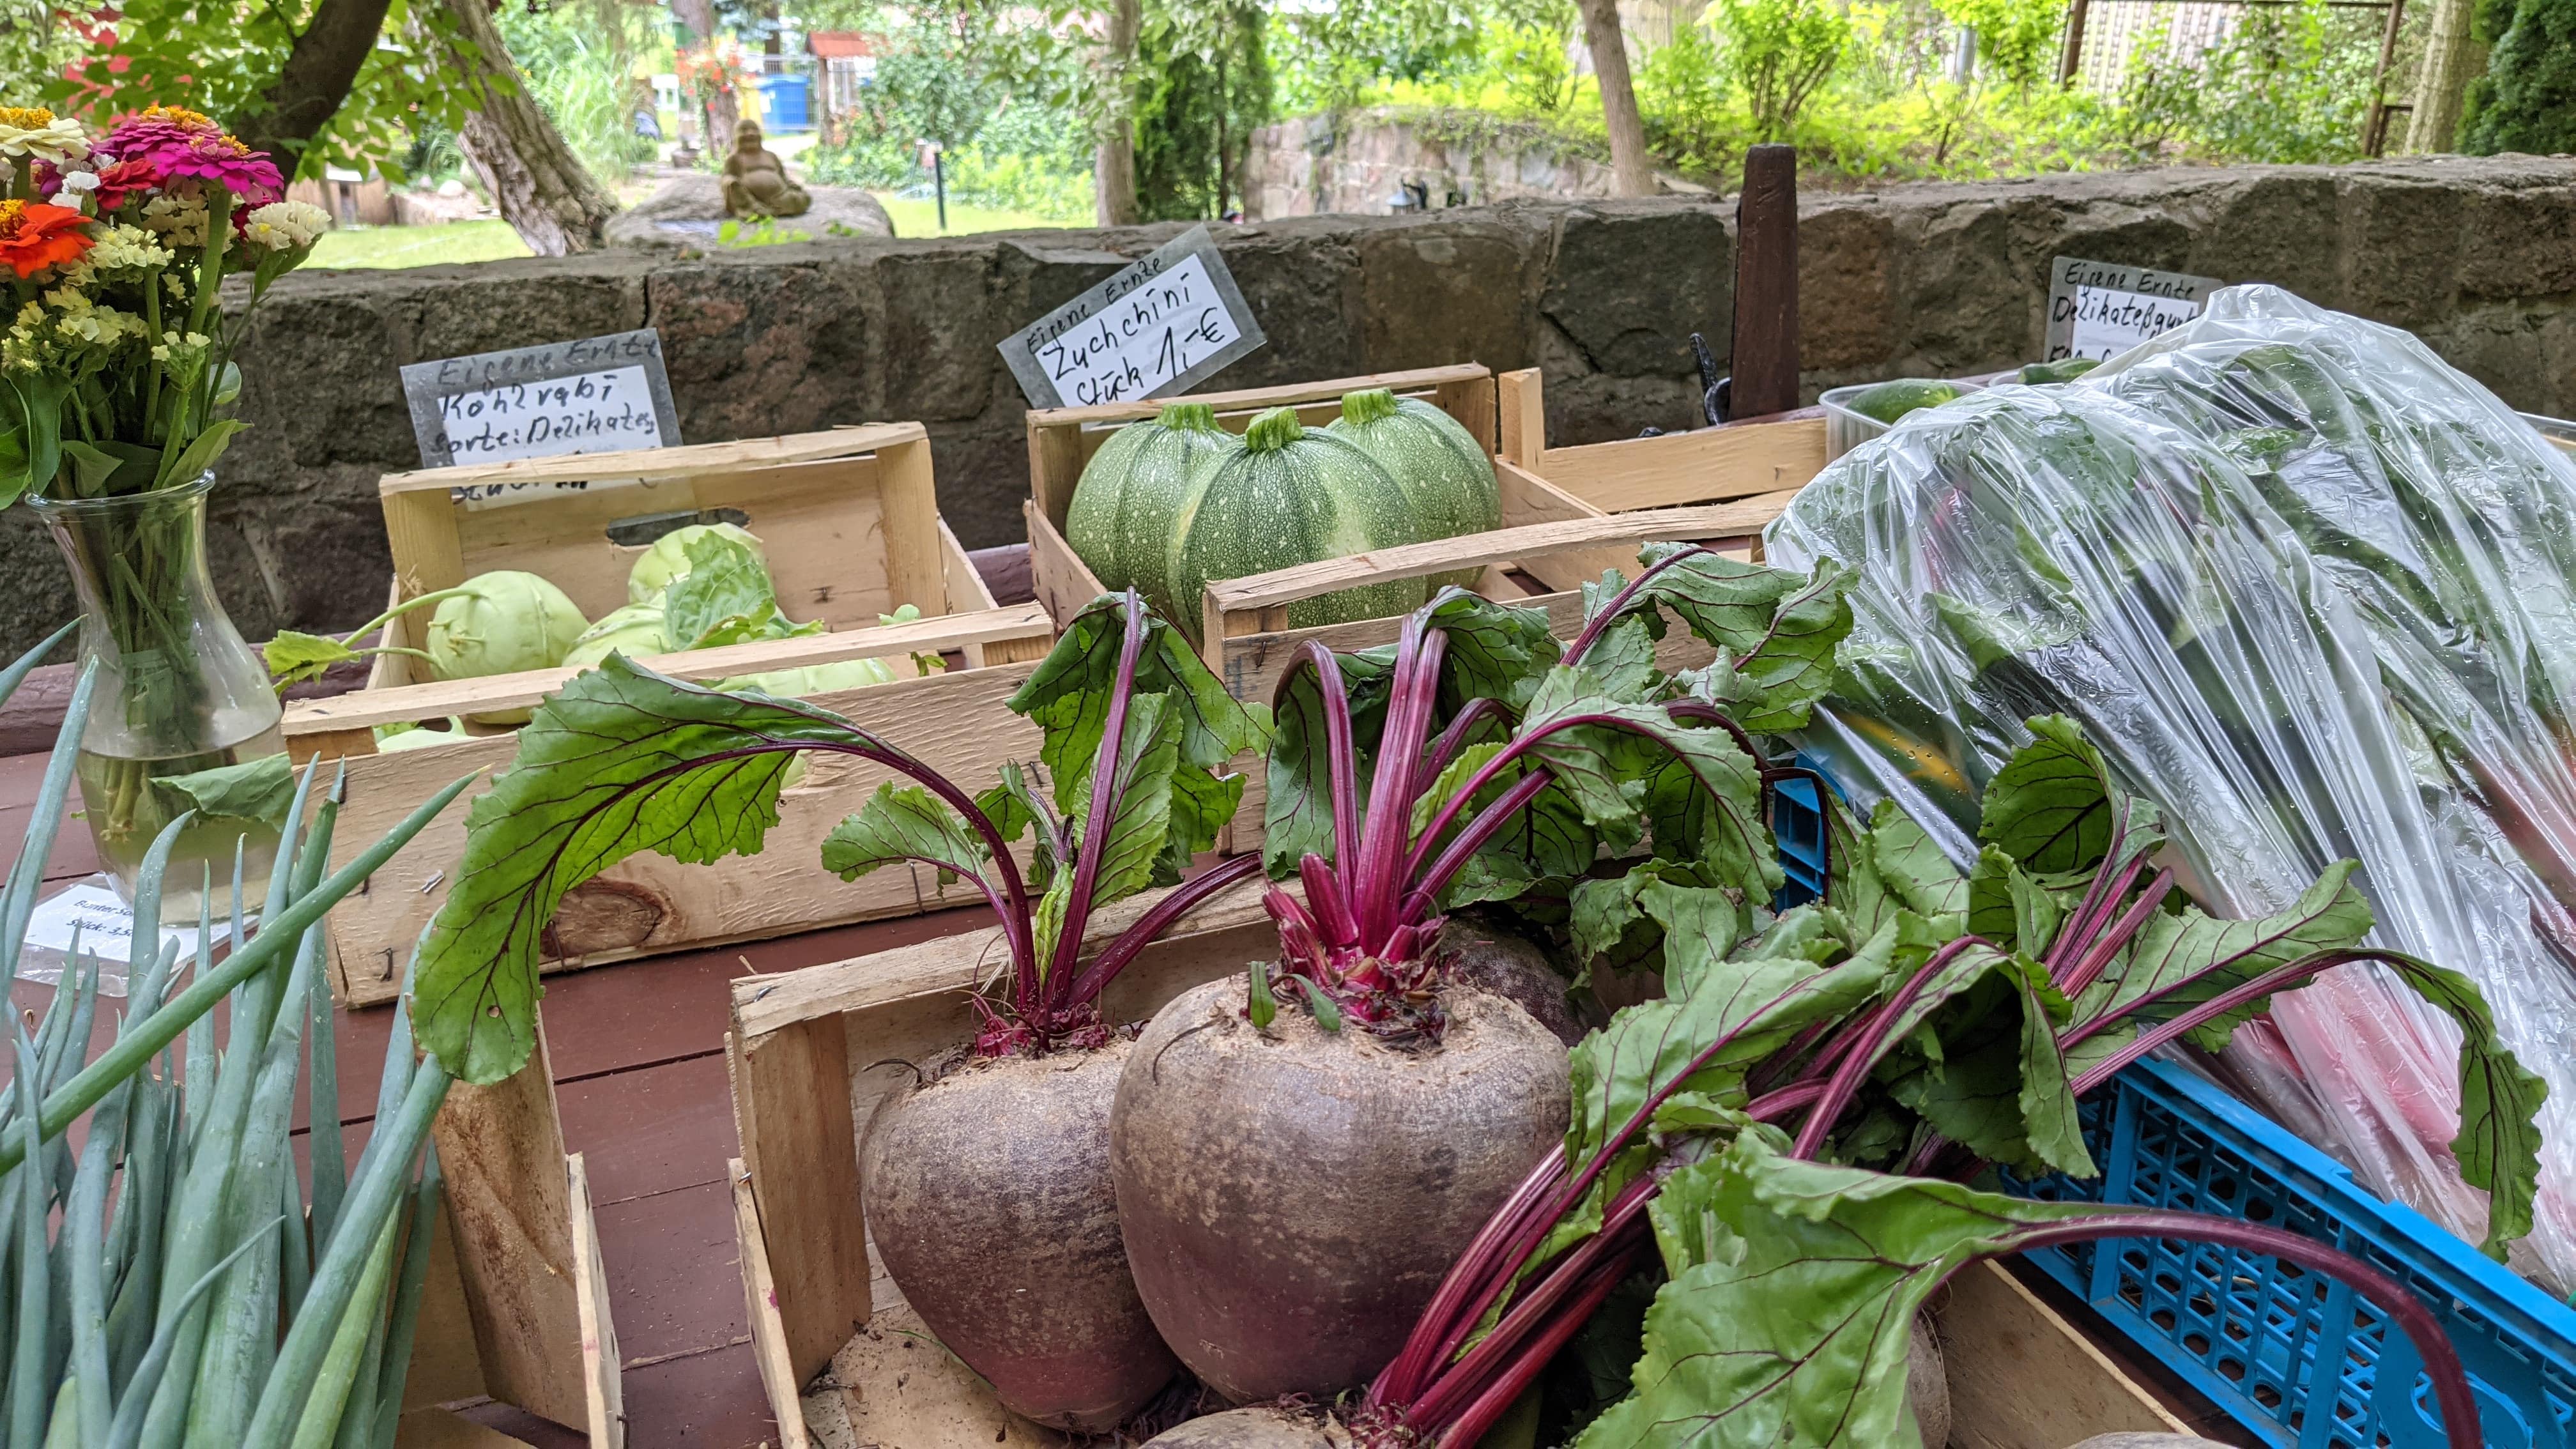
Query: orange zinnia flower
34,236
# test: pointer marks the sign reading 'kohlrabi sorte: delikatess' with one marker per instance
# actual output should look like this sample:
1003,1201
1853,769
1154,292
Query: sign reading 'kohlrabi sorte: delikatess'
1149,330
591,395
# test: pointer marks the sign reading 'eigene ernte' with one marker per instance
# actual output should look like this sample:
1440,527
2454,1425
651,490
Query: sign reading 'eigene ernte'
594,395
2102,309
1152,329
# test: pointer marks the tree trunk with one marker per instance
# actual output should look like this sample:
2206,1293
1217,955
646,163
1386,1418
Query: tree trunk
313,82
1113,170
2450,63
1632,167
723,111
546,195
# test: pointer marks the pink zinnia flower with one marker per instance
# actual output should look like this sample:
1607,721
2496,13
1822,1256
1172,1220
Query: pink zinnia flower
181,144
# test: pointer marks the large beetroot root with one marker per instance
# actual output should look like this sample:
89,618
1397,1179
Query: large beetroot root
1290,1197
1014,1153
1513,967
1255,1429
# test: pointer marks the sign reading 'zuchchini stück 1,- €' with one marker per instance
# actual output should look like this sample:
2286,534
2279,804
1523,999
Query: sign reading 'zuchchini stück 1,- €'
2102,309
594,395
1152,329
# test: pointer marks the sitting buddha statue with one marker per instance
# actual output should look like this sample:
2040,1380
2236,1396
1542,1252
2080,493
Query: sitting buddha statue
756,182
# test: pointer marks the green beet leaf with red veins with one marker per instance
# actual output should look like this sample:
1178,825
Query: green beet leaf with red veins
1917,1020
624,760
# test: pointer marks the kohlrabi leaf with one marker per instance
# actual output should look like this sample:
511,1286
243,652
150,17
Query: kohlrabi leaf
621,760
1068,697
1793,1297
1604,753
726,597
2181,959
261,790
294,657
903,825
2054,807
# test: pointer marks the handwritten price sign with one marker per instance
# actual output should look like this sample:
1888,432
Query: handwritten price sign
2102,309
1153,329
595,395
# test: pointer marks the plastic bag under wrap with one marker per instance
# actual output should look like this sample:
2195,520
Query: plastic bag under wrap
2310,590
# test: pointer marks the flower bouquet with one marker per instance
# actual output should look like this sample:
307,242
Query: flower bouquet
115,375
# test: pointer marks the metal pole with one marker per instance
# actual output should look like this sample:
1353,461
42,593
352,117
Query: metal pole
939,184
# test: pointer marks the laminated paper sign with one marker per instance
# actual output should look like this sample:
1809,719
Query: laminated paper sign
1153,329
595,395
2102,309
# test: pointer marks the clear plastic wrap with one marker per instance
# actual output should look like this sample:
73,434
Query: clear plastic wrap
2314,592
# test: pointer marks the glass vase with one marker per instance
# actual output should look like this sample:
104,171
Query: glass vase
178,691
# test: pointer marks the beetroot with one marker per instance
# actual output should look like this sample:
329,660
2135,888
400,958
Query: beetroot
1263,1248
1254,1429
1514,968
1301,1151
1015,1151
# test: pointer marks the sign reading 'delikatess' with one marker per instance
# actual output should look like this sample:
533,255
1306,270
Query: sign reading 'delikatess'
595,395
2102,309
1152,329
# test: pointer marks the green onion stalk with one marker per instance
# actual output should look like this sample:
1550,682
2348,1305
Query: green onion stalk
171,1284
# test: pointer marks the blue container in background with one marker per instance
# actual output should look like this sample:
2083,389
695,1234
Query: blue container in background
785,103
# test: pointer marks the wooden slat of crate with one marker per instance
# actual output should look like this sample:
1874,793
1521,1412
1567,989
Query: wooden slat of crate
2023,1377
1704,465
958,723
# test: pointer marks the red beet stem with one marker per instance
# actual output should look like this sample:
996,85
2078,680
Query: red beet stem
2441,1361
1183,898
1498,1399
1341,758
1472,1272
1857,1063
1600,623
2097,959
2198,1014
1105,790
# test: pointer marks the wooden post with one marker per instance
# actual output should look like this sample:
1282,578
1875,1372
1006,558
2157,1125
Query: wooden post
2071,64
1764,357
2374,130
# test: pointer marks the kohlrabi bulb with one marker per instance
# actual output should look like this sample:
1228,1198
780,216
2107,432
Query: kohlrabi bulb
814,678
504,622
634,630
668,558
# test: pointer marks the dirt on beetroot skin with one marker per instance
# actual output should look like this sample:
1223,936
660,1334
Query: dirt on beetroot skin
1256,1429
1512,967
1291,1198
989,1195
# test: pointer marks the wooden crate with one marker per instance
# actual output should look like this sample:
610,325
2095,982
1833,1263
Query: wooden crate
831,1333
1704,465
516,1308
851,527
1544,537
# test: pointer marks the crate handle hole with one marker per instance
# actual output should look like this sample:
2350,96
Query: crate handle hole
643,529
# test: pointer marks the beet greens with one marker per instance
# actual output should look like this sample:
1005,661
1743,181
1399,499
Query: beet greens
1917,1020
624,760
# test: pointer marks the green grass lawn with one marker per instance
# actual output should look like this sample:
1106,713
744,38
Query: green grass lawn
417,246
485,241
921,218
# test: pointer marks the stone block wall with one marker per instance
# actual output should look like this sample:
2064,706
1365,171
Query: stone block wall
2479,257
1355,161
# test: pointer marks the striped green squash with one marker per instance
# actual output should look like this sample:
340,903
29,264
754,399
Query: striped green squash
1120,519
1294,495
1439,464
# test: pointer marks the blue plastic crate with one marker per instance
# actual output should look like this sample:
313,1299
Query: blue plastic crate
2292,1356
2295,1358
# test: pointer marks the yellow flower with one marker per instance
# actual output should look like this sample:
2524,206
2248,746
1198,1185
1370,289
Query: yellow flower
26,118
178,116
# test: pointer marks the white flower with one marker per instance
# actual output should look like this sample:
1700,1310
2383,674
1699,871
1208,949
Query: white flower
40,133
285,226
127,248
180,221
